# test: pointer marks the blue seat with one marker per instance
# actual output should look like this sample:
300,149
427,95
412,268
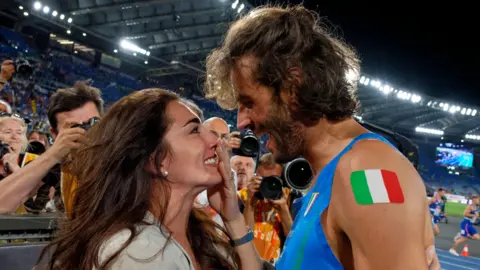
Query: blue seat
21,256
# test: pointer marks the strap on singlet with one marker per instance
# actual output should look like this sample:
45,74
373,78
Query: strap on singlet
321,185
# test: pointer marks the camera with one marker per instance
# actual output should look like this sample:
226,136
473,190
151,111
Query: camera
297,174
249,144
4,149
36,148
23,69
87,125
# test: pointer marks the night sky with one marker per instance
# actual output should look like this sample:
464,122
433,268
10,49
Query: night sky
415,45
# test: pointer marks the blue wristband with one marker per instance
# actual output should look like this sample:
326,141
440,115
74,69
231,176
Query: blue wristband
245,239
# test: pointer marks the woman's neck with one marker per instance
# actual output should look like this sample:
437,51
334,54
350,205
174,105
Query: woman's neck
177,216
177,212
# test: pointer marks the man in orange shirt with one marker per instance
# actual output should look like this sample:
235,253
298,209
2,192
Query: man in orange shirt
270,219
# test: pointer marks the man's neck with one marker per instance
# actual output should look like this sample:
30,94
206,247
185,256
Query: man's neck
327,139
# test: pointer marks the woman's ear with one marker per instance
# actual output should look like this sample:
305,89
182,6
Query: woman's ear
152,166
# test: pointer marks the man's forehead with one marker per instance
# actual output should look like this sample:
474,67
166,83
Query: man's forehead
242,75
242,159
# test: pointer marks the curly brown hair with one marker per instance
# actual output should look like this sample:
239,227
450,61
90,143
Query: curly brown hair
281,39
114,188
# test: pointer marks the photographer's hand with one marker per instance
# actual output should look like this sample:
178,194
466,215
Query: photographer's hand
281,207
10,159
233,141
253,187
67,140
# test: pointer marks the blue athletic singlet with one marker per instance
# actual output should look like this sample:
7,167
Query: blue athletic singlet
436,211
306,246
466,227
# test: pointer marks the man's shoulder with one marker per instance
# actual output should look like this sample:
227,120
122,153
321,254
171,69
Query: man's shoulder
373,154
376,171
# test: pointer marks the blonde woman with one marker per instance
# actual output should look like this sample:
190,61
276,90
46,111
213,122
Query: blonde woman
13,138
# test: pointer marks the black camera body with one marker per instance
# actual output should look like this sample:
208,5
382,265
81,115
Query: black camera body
249,144
23,69
297,174
4,149
36,148
87,125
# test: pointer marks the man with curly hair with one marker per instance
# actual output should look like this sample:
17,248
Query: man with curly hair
288,78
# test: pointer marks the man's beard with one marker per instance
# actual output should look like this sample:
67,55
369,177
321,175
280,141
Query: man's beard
288,135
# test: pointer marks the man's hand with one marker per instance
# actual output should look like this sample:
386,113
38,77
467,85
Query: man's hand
253,187
281,205
432,258
68,139
233,142
8,68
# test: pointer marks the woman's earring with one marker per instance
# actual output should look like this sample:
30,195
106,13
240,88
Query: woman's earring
165,174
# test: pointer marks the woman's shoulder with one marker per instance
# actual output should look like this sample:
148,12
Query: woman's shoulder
149,249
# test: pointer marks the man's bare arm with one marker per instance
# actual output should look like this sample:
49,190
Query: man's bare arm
16,188
382,235
468,211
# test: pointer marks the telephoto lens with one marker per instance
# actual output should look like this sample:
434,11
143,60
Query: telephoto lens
249,144
271,188
298,174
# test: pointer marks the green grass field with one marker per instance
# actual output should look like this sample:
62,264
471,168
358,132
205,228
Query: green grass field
455,209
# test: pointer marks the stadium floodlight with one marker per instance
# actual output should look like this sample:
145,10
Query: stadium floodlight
37,5
20,7
235,4
62,17
472,137
146,62
148,53
453,109
242,6
469,111
69,32
463,111
25,14
362,79
70,20
429,131
54,13
367,81
46,9
474,112
416,98
127,45
115,51
84,34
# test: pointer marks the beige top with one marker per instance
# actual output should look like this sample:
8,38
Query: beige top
149,250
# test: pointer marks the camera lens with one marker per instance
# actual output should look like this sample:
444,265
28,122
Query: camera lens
298,174
271,187
249,146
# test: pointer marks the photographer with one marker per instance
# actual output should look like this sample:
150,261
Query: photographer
13,142
67,107
270,219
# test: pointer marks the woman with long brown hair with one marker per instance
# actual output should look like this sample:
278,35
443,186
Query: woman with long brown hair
139,173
